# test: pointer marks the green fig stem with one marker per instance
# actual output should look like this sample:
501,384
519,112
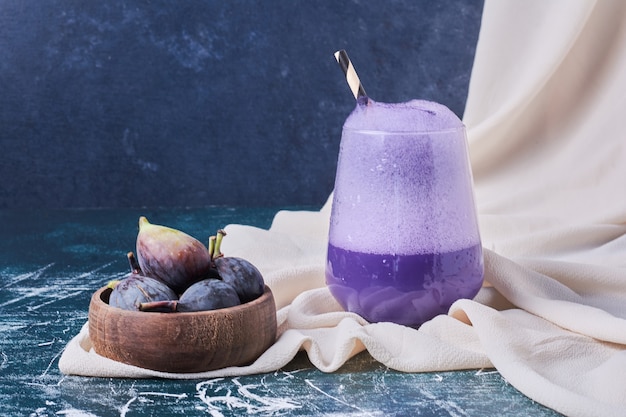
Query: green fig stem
143,221
134,264
112,284
167,306
218,244
215,245
211,246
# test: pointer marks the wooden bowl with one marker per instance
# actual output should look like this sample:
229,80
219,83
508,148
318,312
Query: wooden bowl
183,342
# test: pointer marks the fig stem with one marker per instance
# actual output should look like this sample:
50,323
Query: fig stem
112,284
211,246
217,251
143,221
166,306
134,264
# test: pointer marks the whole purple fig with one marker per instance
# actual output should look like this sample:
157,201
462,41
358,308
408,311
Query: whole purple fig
239,273
131,292
244,277
208,294
171,256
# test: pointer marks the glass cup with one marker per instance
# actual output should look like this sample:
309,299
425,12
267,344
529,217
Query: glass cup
404,242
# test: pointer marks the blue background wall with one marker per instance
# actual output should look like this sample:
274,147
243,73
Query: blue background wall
129,103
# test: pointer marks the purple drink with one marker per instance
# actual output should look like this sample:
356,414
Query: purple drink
404,289
403,241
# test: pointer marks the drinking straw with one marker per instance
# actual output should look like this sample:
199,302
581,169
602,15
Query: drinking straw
351,76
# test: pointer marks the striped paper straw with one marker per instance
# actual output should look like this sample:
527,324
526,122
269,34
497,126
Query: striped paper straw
350,73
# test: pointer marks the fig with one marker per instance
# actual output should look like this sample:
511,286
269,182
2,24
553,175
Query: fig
129,293
239,273
171,256
208,294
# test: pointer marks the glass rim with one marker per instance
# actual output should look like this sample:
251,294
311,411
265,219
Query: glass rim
378,132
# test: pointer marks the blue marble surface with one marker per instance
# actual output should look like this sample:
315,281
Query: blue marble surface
51,262
130,103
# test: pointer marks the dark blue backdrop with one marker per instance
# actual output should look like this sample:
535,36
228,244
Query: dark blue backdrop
130,103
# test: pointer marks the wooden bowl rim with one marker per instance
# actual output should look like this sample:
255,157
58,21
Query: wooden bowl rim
263,298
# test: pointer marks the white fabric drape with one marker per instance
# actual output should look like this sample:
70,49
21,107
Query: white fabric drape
545,115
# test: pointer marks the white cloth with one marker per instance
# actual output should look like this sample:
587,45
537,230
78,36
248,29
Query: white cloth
545,117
